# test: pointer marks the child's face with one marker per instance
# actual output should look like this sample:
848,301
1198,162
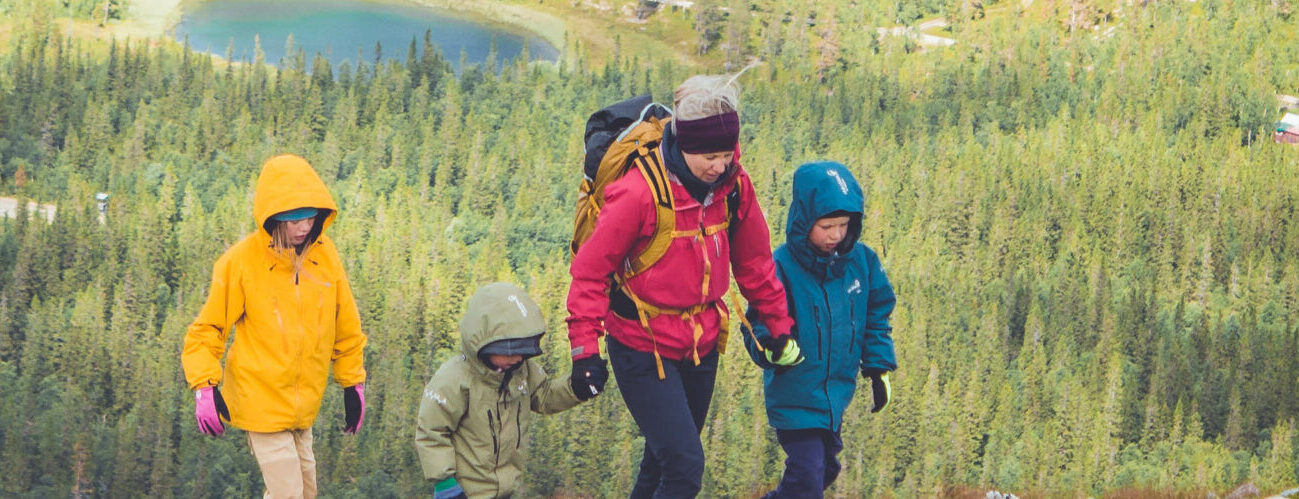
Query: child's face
827,233
298,229
503,362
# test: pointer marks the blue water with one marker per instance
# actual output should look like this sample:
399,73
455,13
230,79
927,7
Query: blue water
344,30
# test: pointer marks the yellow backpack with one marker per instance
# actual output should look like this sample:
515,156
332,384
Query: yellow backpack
620,137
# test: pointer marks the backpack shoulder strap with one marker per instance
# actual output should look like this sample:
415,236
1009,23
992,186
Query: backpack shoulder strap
733,206
651,167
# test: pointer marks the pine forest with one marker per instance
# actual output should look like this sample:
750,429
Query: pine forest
1093,238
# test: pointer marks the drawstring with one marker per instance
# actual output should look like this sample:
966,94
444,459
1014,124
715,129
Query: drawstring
744,323
699,332
643,314
644,323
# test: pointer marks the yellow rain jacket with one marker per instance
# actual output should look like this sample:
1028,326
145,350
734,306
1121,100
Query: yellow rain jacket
288,328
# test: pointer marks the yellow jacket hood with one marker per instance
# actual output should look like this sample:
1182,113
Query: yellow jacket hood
288,182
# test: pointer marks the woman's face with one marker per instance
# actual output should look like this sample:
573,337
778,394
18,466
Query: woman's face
298,229
709,166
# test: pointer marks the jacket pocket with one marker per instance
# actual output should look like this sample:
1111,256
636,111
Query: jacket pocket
496,442
852,323
816,318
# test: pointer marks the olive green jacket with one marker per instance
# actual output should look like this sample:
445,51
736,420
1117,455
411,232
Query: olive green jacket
472,418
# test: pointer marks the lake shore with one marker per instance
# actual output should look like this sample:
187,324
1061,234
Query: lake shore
580,33
154,17
550,28
157,18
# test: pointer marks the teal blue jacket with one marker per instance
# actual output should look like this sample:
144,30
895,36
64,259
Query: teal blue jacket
840,304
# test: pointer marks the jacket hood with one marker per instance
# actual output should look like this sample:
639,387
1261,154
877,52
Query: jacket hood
288,182
820,189
498,311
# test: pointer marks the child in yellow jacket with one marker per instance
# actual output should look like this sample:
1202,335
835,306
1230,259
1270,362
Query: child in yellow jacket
283,292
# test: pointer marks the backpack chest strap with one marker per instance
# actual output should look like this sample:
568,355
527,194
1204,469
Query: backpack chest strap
706,231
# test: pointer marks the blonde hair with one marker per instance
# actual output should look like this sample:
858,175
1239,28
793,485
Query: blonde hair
282,244
701,96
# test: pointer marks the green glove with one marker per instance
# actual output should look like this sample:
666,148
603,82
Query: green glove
881,389
783,352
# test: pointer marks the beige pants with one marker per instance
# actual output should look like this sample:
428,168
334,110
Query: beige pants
287,462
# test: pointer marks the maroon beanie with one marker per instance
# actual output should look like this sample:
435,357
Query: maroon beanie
710,134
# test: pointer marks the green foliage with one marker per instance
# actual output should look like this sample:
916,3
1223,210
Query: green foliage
93,9
1092,247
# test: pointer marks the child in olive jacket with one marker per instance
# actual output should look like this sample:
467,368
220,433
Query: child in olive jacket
475,408
841,300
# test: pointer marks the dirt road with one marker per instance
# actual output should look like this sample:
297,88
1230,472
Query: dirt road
9,208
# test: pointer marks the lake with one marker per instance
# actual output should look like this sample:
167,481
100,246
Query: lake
342,30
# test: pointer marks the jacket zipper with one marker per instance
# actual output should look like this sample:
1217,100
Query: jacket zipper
297,376
825,380
703,249
496,447
816,313
302,339
852,322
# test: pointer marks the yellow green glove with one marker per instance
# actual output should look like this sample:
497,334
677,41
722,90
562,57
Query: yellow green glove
881,389
783,352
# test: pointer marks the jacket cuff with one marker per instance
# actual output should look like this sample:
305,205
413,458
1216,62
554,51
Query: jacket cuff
585,348
874,366
869,371
447,489
780,328
204,384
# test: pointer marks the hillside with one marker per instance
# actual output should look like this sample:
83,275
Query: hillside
1092,237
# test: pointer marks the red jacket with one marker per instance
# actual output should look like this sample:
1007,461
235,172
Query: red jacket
625,226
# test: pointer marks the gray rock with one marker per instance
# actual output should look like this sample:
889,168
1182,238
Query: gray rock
1244,491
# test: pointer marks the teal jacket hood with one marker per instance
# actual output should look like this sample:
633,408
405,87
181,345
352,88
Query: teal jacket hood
821,189
840,303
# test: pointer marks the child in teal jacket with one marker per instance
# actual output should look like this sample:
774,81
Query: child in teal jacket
840,300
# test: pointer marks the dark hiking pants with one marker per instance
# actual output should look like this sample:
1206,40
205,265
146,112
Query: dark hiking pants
811,462
670,413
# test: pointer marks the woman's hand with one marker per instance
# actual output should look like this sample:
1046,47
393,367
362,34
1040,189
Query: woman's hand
588,377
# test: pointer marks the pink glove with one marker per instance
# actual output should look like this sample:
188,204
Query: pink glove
354,407
207,405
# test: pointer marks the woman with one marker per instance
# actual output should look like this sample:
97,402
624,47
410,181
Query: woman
283,292
663,323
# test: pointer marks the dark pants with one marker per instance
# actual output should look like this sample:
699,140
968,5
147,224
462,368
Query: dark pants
811,462
670,413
